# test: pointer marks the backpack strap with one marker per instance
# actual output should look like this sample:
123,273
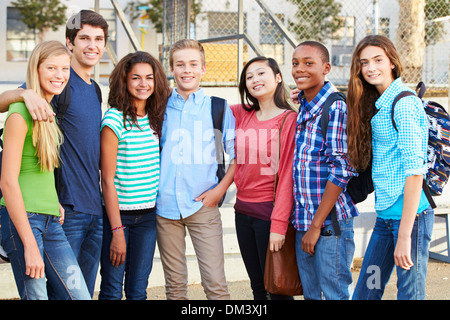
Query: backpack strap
397,98
217,114
62,103
63,100
332,98
98,91
421,88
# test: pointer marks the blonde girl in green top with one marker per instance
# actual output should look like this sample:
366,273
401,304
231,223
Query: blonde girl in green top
32,234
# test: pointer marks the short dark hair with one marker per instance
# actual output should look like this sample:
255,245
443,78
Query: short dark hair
323,50
78,20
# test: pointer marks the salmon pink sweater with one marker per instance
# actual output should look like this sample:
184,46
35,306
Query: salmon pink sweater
257,161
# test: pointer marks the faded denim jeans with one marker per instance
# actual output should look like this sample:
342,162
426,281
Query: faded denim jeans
327,274
61,267
378,262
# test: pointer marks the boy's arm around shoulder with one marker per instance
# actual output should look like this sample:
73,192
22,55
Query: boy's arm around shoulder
37,106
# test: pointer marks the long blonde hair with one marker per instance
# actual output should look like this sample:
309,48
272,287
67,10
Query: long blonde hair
47,137
361,99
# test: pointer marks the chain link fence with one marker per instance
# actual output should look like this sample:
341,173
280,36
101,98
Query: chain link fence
234,31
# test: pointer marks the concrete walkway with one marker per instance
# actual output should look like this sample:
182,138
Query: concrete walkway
438,282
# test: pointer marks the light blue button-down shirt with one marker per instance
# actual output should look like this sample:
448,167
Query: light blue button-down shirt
397,154
188,159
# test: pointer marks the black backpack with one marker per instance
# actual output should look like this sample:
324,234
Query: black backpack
217,114
358,187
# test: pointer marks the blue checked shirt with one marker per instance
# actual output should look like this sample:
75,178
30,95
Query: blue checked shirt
397,155
316,161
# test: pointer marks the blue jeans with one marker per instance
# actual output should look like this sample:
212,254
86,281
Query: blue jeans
327,274
140,237
84,233
253,238
61,267
378,262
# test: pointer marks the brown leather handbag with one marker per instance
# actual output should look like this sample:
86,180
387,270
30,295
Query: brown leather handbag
281,272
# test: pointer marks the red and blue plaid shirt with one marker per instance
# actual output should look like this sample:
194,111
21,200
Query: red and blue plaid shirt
316,161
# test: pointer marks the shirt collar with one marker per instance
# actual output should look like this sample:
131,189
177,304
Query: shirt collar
388,96
315,104
197,96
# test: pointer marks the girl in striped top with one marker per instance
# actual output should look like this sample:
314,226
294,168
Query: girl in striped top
130,134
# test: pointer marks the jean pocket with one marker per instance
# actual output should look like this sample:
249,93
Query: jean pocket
428,223
31,214
327,231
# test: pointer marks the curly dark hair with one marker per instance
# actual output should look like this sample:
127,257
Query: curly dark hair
121,99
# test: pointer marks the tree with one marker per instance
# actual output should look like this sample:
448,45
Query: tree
316,19
155,12
434,9
41,15
411,38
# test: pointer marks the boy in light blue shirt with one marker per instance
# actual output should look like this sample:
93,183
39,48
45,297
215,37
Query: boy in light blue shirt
189,190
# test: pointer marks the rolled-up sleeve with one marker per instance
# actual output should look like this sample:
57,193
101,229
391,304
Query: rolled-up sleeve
339,169
412,124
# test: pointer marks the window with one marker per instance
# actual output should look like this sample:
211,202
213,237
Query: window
345,36
224,24
383,26
20,40
270,38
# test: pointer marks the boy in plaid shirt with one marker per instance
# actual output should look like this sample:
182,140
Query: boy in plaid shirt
321,172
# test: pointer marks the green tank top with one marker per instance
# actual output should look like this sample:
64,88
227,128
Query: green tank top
38,187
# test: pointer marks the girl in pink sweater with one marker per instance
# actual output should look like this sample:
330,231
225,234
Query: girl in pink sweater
265,131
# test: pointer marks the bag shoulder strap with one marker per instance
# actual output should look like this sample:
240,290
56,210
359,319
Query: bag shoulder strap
63,102
217,112
63,99
420,88
397,98
332,98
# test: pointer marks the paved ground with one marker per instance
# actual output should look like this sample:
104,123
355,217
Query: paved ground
438,286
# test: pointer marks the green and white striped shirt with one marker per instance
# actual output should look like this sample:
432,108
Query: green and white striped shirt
137,172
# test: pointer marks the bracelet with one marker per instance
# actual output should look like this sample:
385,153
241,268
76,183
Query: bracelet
117,228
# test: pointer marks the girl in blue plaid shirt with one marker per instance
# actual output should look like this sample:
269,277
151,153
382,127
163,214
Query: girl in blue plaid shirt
402,231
